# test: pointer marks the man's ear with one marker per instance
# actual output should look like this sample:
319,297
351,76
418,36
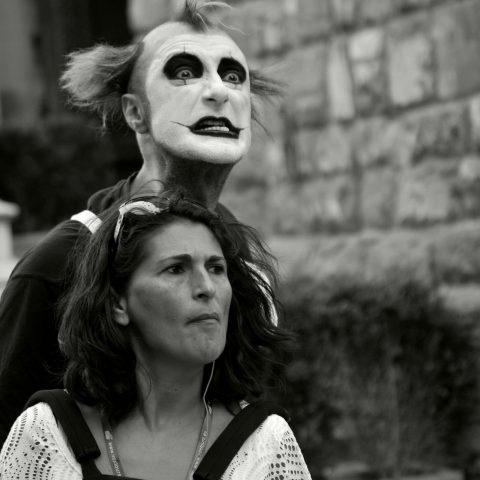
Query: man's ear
120,313
133,112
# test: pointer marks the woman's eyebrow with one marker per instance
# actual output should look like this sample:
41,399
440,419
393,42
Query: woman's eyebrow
184,257
216,258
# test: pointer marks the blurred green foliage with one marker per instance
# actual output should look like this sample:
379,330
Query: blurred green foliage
52,169
385,375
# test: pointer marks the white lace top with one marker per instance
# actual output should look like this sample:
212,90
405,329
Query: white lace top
37,449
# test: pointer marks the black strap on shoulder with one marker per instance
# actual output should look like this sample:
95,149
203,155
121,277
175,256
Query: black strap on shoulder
66,411
221,453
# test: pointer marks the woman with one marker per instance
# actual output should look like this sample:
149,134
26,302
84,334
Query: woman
167,333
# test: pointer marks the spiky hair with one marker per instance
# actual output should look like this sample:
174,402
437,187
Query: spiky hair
96,78
195,14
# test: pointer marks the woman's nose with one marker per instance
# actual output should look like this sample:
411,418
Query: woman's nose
203,286
215,90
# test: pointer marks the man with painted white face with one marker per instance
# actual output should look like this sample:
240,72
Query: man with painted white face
187,92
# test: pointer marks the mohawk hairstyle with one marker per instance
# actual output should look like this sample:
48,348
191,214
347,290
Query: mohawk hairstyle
193,14
96,78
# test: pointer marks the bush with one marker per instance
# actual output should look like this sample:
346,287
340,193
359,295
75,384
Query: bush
50,171
385,375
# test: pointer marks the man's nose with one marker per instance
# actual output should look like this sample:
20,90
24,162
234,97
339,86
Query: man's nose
203,286
215,90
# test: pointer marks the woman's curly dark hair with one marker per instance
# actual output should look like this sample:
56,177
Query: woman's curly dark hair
101,363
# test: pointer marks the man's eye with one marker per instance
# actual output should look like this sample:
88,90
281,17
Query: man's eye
184,73
183,67
232,71
232,77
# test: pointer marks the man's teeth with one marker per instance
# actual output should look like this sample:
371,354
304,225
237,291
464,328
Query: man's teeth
216,129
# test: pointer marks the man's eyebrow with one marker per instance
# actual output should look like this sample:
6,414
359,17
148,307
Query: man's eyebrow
182,56
231,62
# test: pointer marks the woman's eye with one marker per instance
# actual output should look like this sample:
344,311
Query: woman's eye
218,269
175,269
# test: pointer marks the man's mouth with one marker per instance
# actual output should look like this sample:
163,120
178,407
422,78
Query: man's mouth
216,127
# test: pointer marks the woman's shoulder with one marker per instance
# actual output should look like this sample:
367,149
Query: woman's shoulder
36,444
275,428
271,450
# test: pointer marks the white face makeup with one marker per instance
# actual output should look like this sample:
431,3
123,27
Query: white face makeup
178,299
198,94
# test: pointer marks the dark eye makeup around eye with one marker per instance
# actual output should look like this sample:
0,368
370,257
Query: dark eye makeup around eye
180,62
230,65
186,61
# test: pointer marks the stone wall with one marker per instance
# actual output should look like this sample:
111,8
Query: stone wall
374,152
20,97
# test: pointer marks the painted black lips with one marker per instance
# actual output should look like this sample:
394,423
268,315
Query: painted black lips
216,127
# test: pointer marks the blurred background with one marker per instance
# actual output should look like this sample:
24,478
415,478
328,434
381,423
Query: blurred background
364,180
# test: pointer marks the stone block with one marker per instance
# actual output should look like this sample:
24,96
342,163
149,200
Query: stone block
457,43
380,141
474,116
374,11
396,254
409,5
324,152
339,81
244,34
264,165
273,21
366,54
466,188
245,25
410,61
456,252
442,130
313,206
273,26
345,12
306,68
306,78
370,255
463,298
469,168
378,197
313,18
311,109
424,193
249,206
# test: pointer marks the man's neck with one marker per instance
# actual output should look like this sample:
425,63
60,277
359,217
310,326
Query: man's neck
200,181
